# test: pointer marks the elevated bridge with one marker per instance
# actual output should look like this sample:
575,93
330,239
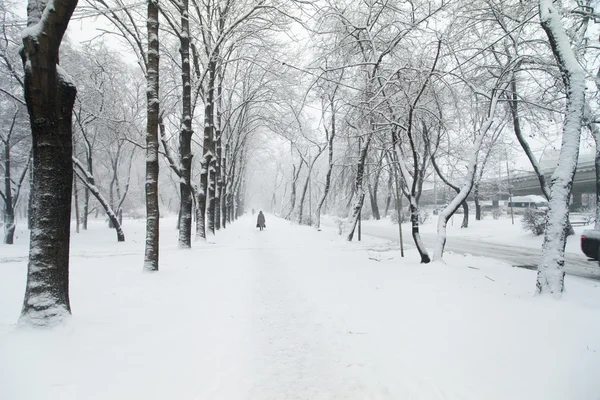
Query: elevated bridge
521,184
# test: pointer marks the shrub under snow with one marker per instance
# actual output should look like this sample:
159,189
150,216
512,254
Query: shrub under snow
534,221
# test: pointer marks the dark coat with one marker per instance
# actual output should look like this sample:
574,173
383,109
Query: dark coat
260,221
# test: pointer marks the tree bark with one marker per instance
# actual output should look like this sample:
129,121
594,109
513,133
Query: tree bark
50,98
185,137
551,272
204,212
9,210
153,108
218,159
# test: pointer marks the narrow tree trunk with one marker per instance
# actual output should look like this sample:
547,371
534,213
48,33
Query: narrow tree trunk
88,181
185,138
360,172
152,203
465,221
9,212
388,198
86,209
477,205
224,215
50,97
295,176
204,207
329,168
76,203
413,206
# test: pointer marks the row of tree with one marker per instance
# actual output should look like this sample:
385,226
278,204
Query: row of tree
401,90
438,88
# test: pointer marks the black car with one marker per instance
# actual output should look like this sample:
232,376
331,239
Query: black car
590,243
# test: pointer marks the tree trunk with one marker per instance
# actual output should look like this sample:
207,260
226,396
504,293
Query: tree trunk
50,97
86,209
329,168
152,203
477,205
204,207
597,163
360,172
465,221
9,211
388,200
185,137
76,203
88,181
295,176
551,272
224,208
31,198
218,159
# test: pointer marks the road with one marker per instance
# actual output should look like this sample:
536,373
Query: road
518,256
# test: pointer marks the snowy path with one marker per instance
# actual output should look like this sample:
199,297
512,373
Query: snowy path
291,313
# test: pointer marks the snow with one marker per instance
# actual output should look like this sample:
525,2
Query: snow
488,230
292,313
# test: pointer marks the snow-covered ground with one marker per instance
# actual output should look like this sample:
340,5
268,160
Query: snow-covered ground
291,313
489,230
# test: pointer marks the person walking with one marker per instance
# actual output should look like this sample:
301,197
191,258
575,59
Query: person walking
260,221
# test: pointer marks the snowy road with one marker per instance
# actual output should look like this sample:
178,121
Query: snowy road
519,256
295,314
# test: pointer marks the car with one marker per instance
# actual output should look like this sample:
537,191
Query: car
590,243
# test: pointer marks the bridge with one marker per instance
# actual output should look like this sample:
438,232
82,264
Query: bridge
521,184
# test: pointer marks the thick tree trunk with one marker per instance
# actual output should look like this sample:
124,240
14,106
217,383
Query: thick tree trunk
597,163
9,225
218,159
152,204
551,272
185,138
50,98
31,198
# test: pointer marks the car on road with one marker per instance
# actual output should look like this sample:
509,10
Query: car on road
590,243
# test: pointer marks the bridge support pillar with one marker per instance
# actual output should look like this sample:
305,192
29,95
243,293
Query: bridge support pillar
576,201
